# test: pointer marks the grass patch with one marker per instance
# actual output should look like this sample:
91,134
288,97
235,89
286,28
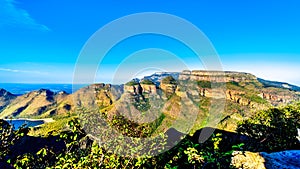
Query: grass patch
131,83
204,84
169,80
147,82
54,127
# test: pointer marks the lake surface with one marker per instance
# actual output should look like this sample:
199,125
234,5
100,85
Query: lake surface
22,88
28,123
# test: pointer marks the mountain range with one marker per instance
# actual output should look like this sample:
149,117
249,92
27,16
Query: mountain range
243,94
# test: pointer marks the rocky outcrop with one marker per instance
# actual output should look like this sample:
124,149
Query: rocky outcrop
284,159
216,76
107,94
168,85
140,89
248,160
244,89
274,95
168,89
278,96
148,88
133,89
95,95
231,95
237,97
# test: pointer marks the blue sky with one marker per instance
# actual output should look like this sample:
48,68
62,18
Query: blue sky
41,40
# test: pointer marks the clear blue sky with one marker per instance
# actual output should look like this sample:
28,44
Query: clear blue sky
41,40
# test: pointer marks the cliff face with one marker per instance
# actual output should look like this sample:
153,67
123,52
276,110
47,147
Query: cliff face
168,89
91,97
133,89
141,89
278,96
242,89
216,76
148,88
243,93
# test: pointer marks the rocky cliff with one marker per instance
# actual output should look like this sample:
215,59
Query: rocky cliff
216,76
243,89
262,160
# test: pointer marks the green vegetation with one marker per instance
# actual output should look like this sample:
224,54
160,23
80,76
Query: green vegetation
204,84
169,80
270,130
54,127
132,129
254,98
147,82
8,138
142,105
274,129
186,154
131,83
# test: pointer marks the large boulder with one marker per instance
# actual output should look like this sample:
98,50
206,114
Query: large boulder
262,160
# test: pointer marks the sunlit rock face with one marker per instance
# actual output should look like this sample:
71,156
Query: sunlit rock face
237,88
284,159
216,76
151,89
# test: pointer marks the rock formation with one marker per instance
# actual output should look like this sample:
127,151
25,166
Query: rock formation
241,88
216,76
284,159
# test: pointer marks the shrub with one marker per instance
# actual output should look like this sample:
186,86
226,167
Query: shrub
147,82
131,83
274,129
169,80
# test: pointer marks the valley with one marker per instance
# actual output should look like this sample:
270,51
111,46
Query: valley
176,104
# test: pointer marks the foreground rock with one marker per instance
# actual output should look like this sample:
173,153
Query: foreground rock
250,160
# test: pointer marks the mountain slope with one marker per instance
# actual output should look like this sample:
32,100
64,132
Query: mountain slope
5,98
243,94
33,103
268,83
45,103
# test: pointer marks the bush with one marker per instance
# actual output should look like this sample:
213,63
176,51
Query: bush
147,82
204,84
169,80
187,154
8,138
274,129
131,83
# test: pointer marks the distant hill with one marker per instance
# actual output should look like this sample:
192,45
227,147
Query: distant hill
268,83
34,103
5,98
46,103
